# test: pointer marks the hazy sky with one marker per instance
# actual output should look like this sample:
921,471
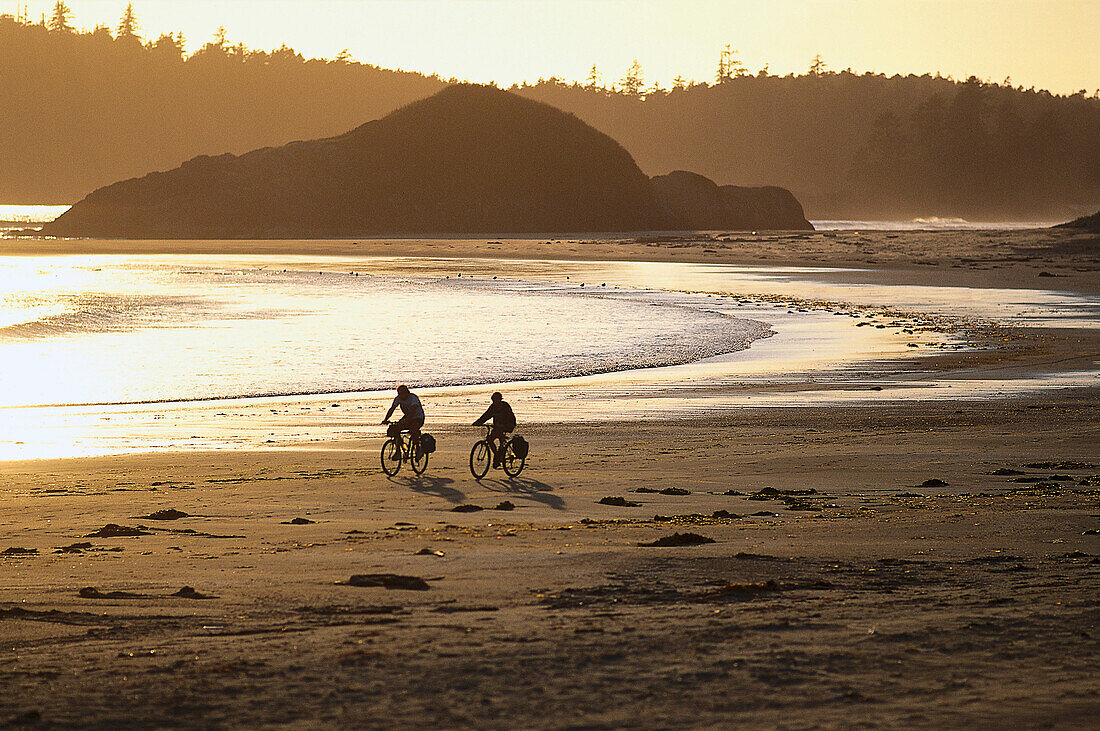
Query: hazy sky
1051,44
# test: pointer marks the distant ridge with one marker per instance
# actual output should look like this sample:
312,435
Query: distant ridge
470,159
1088,223
85,109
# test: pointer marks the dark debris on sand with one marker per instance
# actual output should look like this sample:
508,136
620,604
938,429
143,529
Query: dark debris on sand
934,482
90,592
79,547
792,499
17,551
618,501
1063,465
679,539
167,514
466,508
189,592
298,521
388,581
770,493
113,530
504,505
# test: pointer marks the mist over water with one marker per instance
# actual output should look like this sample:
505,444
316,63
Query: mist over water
932,223
79,330
27,216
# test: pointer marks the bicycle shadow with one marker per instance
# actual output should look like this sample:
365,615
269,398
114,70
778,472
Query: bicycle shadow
437,486
526,488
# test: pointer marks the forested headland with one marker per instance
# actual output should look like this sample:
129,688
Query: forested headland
82,109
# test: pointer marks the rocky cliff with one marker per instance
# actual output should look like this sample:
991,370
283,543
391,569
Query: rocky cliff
469,160
698,203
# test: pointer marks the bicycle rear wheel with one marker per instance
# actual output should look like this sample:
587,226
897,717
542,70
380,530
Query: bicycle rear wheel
418,459
481,457
391,457
513,464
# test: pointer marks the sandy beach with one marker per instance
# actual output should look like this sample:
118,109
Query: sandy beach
886,560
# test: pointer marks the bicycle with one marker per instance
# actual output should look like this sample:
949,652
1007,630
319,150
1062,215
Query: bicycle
396,451
482,456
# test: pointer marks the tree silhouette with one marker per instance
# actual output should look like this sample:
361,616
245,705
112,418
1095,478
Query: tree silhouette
594,79
128,24
634,80
817,66
59,19
729,65
168,46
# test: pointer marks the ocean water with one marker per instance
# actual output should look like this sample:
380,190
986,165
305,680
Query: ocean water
932,223
107,354
130,329
20,216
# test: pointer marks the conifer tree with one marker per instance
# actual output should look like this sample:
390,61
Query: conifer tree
59,19
634,80
128,24
594,78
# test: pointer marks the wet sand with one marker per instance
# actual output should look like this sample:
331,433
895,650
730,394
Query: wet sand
896,562
1010,258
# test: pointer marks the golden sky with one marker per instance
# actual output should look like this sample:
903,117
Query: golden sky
1050,44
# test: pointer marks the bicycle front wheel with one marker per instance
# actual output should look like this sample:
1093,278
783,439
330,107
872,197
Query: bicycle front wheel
513,464
481,457
391,457
418,460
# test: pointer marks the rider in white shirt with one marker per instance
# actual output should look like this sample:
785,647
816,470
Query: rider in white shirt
412,416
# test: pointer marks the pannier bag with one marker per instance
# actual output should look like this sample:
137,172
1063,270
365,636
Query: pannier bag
520,446
427,443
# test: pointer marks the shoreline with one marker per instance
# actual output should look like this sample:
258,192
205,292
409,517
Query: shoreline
1001,258
925,347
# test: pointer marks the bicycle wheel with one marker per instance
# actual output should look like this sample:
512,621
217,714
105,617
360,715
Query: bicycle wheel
513,465
480,459
418,463
391,457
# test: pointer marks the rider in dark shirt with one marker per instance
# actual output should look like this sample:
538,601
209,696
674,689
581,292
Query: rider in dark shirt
504,421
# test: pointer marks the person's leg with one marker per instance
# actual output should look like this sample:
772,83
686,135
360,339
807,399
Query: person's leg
403,424
497,436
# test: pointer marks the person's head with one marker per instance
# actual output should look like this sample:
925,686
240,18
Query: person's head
497,396
402,390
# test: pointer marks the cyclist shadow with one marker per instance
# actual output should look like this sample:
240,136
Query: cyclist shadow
526,488
437,486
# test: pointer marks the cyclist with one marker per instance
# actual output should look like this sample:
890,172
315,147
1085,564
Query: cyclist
412,417
504,421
